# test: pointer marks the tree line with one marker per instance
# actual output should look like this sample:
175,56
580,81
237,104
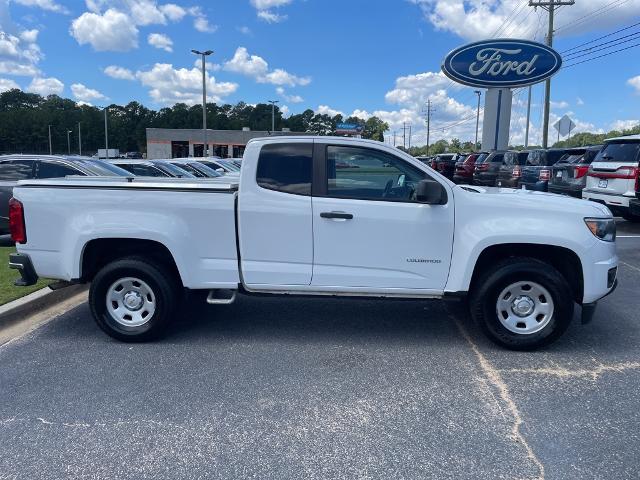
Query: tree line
25,119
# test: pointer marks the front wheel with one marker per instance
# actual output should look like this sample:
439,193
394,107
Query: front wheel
522,304
132,299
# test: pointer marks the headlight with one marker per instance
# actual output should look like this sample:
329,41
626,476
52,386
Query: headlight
603,228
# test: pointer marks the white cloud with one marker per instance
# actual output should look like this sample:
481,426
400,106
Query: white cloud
146,12
49,5
257,67
559,105
160,41
46,86
579,102
271,17
169,85
635,83
19,55
479,19
285,111
111,31
86,94
200,21
7,84
264,9
289,98
624,124
119,73
327,110
173,12
267,4
244,30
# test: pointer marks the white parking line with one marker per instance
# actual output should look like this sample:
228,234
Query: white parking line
627,236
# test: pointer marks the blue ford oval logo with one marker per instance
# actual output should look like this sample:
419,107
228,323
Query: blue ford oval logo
502,63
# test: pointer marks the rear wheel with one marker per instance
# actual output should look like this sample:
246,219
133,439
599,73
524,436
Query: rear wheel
133,300
522,303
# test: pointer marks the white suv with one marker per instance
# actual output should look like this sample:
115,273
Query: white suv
613,176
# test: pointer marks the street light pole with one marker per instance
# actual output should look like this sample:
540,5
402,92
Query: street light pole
273,114
204,55
106,135
69,142
50,146
79,139
479,93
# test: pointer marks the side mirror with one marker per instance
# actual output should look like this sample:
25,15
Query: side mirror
431,193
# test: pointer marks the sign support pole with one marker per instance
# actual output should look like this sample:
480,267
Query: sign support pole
497,119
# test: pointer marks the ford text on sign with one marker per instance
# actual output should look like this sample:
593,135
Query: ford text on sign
501,63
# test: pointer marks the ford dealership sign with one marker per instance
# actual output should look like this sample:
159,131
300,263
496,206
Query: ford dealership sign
502,63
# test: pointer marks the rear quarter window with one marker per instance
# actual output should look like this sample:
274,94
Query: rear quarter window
510,158
286,167
619,152
14,170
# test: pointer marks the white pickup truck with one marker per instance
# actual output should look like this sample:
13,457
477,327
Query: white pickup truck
318,216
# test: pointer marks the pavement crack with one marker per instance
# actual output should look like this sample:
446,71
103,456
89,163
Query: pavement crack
494,378
563,372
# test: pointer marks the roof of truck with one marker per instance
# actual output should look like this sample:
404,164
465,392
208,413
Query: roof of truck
633,138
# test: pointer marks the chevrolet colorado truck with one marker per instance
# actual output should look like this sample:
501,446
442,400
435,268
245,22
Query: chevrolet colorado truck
318,216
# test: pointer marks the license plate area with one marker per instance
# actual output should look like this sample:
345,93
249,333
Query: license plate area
559,174
603,183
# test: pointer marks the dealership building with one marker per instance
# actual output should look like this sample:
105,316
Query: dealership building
180,143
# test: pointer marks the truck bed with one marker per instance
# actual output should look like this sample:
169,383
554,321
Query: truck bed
194,220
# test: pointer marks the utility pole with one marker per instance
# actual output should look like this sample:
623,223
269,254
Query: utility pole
394,137
50,145
79,139
404,135
204,55
550,6
429,111
479,93
273,114
409,137
526,134
69,142
106,135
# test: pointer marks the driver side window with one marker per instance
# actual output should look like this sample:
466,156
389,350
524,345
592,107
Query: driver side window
366,174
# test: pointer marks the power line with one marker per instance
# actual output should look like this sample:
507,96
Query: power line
601,47
601,56
600,38
596,13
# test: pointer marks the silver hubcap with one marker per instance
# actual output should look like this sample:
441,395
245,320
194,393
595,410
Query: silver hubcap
131,302
524,307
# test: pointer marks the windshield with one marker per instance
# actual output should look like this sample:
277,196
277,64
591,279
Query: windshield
570,158
230,165
495,157
619,152
511,158
536,158
174,170
482,157
99,167
205,170
143,169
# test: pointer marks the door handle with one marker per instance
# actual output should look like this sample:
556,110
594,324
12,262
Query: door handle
339,215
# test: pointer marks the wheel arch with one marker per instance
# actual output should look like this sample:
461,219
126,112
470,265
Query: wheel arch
565,260
99,252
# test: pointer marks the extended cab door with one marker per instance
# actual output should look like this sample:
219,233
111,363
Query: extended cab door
274,215
370,233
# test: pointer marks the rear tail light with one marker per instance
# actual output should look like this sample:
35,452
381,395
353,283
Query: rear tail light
625,173
517,172
581,171
16,221
545,175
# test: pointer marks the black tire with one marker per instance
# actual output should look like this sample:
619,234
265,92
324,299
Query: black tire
165,288
488,287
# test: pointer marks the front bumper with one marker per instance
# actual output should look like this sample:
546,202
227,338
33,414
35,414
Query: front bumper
22,263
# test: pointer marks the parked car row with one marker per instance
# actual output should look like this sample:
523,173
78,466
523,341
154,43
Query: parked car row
607,174
28,167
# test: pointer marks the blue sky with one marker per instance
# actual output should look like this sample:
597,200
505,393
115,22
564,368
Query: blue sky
366,56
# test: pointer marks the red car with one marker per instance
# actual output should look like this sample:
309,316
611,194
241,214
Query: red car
464,169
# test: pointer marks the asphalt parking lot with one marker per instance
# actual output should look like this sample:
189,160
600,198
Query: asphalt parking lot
300,388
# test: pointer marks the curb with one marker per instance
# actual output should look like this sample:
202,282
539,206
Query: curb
23,308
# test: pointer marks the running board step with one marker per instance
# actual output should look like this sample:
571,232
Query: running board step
221,297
